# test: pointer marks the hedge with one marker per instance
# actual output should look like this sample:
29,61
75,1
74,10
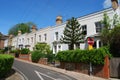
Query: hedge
96,56
25,51
6,62
36,55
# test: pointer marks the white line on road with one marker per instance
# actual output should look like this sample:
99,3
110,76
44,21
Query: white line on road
25,78
38,73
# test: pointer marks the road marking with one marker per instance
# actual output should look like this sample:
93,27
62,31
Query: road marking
66,77
25,78
38,73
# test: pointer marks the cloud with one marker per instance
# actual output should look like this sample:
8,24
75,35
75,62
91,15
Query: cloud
107,4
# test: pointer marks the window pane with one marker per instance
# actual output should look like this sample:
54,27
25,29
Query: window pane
98,27
45,35
56,35
84,29
39,37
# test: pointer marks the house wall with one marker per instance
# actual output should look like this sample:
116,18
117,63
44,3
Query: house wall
55,45
42,33
1,44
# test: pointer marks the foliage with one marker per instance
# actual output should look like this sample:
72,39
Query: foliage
72,34
96,56
115,41
1,51
13,51
6,62
105,34
42,50
43,47
50,56
16,51
36,55
111,37
25,51
116,20
23,27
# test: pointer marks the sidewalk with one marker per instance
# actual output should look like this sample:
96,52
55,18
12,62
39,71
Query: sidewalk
15,76
76,75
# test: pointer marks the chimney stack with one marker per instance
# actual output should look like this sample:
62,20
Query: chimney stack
58,20
34,29
114,4
19,32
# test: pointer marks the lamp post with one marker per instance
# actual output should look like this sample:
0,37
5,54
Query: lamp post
90,47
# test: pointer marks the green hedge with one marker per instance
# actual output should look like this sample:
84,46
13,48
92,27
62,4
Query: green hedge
6,62
13,51
25,51
36,55
96,56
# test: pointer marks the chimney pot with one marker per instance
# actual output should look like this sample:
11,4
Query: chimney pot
58,20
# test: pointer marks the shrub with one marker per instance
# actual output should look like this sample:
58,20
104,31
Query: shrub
16,51
115,41
13,51
96,56
43,47
6,62
36,55
50,56
1,52
25,51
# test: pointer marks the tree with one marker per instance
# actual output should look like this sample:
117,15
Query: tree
23,27
105,37
72,34
116,20
115,41
111,36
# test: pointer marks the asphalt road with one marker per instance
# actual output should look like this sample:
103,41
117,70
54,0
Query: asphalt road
33,72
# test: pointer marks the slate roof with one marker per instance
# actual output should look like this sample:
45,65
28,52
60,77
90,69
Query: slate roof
3,37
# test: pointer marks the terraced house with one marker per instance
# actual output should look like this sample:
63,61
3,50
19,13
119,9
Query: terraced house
2,40
51,35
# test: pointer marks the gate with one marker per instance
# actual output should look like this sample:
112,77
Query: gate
115,67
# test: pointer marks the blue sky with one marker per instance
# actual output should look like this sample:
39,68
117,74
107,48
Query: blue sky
43,12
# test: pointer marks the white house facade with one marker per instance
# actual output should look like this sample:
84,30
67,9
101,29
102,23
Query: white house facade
52,34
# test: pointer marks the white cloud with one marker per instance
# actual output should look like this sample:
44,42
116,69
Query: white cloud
107,3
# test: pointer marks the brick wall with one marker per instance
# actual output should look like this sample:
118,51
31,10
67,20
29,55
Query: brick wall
43,61
24,57
1,44
97,70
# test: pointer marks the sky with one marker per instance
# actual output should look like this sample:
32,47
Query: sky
44,12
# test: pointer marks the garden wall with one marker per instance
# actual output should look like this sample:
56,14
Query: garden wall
97,70
24,57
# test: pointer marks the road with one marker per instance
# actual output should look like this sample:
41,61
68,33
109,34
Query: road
33,72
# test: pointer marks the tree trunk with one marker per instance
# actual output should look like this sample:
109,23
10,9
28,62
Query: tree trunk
71,47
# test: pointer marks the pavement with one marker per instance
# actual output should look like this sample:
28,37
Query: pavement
15,76
76,75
